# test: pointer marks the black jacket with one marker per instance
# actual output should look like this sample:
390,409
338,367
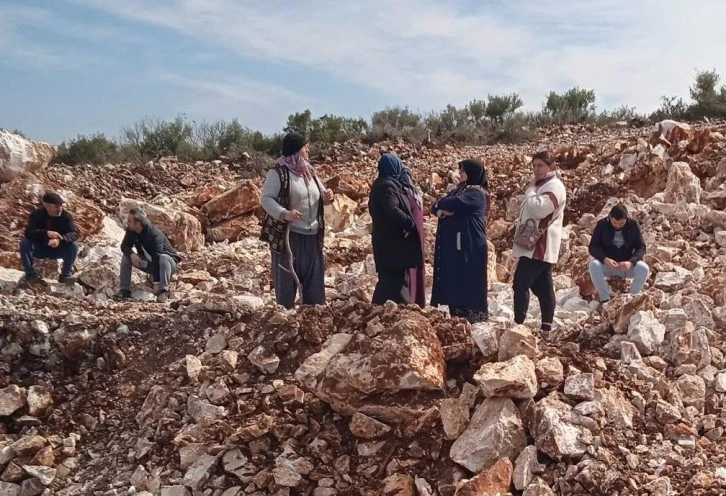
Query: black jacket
602,247
392,218
39,223
150,239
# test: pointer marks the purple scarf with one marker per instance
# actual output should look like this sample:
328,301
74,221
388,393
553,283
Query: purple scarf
546,178
298,166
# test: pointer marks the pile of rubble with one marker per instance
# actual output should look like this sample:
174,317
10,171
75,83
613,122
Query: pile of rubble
222,393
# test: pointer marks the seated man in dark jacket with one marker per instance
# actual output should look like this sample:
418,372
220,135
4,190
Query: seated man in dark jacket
617,248
154,255
50,233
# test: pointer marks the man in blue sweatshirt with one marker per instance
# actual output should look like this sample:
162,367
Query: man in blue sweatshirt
617,248
52,234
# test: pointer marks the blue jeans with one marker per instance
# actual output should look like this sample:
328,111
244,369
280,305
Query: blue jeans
161,274
599,271
65,251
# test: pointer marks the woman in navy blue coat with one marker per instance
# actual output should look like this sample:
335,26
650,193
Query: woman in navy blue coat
460,259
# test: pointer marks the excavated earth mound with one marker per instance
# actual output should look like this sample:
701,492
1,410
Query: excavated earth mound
220,392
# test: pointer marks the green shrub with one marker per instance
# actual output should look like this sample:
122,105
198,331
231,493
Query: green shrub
95,149
152,138
575,105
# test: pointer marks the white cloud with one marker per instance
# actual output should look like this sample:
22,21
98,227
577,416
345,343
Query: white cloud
426,53
215,96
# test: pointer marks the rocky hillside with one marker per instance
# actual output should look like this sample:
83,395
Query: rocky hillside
219,392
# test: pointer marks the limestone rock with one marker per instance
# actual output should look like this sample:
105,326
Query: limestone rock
524,467
490,482
193,366
665,413
19,155
316,364
629,352
201,410
538,488
496,431
515,378
486,338
9,279
673,131
74,344
580,387
398,485
28,445
9,489
183,229
408,356
39,399
518,340
365,427
683,185
230,230
199,471
155,401
693,390
554,432
175,491
12,399
348,185
550,372
646,332
618,410
46,475
618,311
454,417
238,201
340,213
264,360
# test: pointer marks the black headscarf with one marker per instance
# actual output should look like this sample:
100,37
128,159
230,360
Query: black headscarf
476,173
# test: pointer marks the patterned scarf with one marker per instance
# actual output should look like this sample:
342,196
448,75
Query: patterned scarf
546,178
297,165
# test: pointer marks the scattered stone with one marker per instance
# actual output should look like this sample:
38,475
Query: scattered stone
365,427
525,467
39,400
490,482
264,360
12,399
646,332
550,372
555,434
518,340
580,387
515,378
496,431
454,417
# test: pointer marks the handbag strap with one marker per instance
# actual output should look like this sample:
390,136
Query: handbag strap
521,212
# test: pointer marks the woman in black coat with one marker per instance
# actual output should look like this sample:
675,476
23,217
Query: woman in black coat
460,259
396,241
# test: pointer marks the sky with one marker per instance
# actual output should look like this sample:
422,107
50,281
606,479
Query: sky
70,67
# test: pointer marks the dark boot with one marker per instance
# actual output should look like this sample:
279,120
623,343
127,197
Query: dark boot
124,294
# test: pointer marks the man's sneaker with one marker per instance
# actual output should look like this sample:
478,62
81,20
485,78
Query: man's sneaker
33,279
124,294
69,280
162,296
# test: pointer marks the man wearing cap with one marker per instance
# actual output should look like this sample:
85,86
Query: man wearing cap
50,234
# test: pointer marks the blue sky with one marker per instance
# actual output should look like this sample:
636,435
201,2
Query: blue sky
82,66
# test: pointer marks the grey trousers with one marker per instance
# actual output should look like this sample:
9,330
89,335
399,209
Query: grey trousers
167,268
309,264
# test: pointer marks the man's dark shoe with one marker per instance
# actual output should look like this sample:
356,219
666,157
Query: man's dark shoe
162,296
124,294
69,280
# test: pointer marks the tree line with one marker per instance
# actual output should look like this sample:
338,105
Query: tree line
496,119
